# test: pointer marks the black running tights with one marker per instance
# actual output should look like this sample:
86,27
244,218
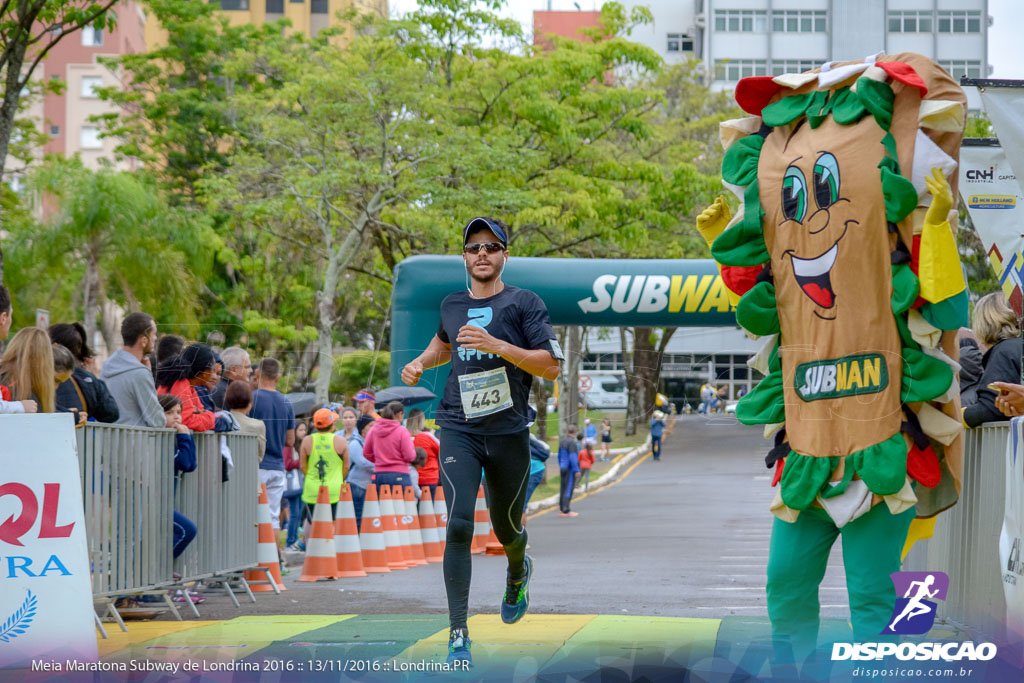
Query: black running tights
505,459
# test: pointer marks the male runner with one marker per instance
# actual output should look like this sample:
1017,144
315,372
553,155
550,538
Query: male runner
501,336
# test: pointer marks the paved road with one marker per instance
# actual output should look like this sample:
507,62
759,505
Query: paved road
684,537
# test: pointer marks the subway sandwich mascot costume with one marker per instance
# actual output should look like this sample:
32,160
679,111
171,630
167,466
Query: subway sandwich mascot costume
844,261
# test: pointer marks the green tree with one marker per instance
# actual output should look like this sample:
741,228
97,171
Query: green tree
109,239
322,159
29,29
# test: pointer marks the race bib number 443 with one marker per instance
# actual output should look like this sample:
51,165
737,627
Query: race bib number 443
485,393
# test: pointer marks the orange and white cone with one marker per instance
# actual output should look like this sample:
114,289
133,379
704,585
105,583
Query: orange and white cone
494,546
392,540
403,522
321,557
441,515
371,534
428,528
415,537
346,537
481,523
266,552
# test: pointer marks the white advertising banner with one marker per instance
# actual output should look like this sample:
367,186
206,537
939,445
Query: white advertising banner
993,197
1005,108
46,610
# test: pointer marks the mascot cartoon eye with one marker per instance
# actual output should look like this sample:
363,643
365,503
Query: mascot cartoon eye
826,180
794,195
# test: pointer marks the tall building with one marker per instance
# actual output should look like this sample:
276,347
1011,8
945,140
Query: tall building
306,16
75,62
739,38
770,37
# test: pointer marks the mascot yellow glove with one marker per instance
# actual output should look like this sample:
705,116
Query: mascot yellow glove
712,220
939,263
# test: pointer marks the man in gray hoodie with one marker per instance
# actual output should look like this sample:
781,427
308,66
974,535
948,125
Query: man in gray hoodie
129,380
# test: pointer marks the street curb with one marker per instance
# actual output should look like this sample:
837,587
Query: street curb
609,477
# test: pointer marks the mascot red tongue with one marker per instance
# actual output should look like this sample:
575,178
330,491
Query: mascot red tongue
857,321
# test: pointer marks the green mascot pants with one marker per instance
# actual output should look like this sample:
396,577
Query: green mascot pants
796,565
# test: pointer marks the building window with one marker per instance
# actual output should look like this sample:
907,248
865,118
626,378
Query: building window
741,20
318,6
960,21
799,21
794,66
910,21
958,68
275,6
679,42
54,130
231,4
90,84
735,69
90,138
92,36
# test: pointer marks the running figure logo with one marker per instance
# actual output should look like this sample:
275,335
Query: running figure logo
914,613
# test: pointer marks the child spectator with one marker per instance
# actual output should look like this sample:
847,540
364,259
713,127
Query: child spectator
294,483
586,462
429,473
184,461
569,466
63,366
414,470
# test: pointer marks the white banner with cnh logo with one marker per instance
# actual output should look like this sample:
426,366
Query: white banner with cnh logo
989,187
1011,563
1005,108
46,607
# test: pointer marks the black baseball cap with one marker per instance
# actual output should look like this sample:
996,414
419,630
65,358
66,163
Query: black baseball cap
484,223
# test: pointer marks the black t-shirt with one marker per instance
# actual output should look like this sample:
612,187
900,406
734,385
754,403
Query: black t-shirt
515,315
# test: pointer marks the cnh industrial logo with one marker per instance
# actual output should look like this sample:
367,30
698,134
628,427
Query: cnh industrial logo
914,614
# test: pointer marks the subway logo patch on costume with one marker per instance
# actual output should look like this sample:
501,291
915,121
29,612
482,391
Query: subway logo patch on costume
864,373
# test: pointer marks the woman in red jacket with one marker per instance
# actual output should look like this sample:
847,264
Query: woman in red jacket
180,375
429,473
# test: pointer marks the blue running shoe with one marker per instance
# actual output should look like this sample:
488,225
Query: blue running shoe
458,646
517,596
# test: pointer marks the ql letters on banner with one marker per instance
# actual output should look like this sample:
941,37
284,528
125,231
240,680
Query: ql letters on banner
46,610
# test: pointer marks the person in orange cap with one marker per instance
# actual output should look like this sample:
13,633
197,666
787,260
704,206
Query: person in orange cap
323,458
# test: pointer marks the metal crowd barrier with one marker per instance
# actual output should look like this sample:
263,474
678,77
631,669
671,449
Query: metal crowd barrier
966,541
127,485
223,512
129,496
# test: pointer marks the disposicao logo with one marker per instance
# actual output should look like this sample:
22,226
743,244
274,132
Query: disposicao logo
991,201
914,614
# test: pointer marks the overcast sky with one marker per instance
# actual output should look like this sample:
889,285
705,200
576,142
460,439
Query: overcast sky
1005,53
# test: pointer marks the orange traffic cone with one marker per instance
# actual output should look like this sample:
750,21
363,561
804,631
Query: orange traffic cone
392,541
428,524
403,522
371,534
494,546
441,515
266,553
415,537
482,523
346,537
321,557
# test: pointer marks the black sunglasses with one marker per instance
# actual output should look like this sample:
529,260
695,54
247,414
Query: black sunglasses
489,247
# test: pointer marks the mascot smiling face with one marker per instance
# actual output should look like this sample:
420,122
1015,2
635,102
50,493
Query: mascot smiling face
827,234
